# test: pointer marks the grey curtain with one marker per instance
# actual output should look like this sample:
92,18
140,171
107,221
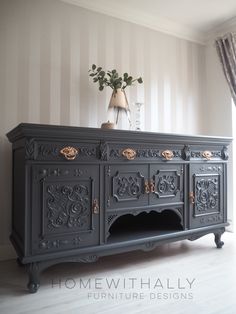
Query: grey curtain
226,49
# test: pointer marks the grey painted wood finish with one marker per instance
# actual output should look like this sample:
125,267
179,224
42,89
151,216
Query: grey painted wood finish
82,193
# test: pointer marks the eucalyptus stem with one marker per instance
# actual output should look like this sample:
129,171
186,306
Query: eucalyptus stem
111,78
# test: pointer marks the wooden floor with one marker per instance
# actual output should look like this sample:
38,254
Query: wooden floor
183,277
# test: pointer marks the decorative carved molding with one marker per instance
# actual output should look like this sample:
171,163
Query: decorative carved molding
195,154
211,219
216,154
108,171
55,244
49,172
30,148
206,194
177,153
104,151
199,154
224,153
52,151
211,168
154,153
167,183
78,172
110,219
148,153
144,153
114,153
85,259
49,151
88,152
186,153
68,206
127,186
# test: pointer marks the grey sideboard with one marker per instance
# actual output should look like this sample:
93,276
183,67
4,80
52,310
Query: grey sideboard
81,193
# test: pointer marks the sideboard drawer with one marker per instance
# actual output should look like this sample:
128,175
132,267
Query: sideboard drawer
61,150
142,152
208,153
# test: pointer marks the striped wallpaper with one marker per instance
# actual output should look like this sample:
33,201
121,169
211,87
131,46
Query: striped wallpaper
46,49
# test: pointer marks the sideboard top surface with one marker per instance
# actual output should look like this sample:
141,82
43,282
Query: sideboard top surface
73,133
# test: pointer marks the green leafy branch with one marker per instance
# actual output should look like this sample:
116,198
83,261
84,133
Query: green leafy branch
111,78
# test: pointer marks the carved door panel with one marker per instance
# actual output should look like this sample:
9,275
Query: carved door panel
167,184
125,186
65,207
206,198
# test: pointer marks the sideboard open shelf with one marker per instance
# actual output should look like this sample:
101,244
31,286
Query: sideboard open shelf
82,193
144,225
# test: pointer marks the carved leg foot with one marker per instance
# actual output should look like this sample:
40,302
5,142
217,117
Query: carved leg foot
218,241
32,287
33,271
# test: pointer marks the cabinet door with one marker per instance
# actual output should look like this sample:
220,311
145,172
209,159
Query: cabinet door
206,194
167,180
125,186
65,212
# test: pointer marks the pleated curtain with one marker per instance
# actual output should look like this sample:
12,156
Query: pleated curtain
226,49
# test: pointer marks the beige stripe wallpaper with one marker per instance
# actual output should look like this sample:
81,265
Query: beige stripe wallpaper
46,49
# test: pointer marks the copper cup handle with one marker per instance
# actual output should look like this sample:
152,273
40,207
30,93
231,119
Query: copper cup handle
129,153
191,198
69,152
146,187
167,154
207,154
95,206
152,186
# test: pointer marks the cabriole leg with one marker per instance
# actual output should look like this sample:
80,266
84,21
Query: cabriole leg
218,241
33,272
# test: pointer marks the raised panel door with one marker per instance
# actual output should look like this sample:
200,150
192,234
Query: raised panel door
167,184
125,186
206,194
65,207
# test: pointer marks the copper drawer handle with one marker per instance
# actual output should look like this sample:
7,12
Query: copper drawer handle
129,153
95,206
146,187
69,152
167,154
191,198
152,186
207,154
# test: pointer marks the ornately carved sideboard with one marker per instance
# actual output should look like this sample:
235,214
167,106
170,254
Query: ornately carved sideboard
82,193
